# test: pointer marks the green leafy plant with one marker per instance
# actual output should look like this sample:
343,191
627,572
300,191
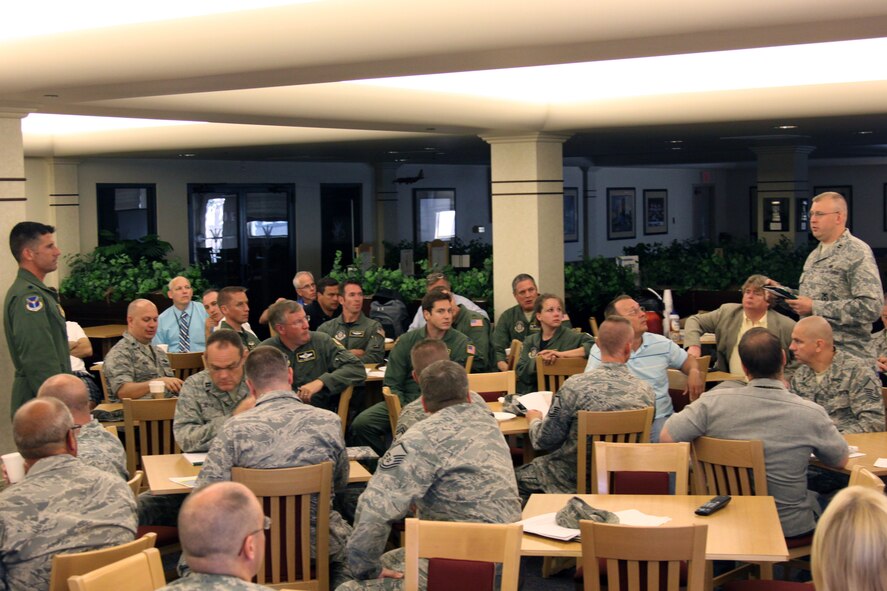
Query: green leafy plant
591,283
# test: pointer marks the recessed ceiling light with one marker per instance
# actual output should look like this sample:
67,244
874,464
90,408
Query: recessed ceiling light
674,141
676,148
867,132
786,127
187,155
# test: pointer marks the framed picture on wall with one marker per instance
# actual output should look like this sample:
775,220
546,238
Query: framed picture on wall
655,211
802,217
846,191
885,207
776,214
571,214
620,213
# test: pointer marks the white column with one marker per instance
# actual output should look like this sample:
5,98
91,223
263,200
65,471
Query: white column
386,209
64,210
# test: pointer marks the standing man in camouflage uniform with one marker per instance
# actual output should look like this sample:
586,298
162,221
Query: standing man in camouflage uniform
371,427
281,432
453,466
362,336
95,445
845,386
322,368
477,328
33,318
222,530
234,305
608,387
62,505
840,281
133,362
208,398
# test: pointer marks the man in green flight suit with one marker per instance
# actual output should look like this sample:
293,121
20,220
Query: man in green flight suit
477,328
352,329
33,318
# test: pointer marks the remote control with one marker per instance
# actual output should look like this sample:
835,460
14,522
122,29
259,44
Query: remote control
716,504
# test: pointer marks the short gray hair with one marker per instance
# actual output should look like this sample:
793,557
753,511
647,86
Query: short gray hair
38,432
278,310
444,383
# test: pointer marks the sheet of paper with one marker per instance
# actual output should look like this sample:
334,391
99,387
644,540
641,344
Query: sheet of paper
540,401
546,525
196,459
881,463
189,481
379,372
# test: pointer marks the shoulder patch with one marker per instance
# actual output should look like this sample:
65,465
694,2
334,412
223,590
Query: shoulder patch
519,326
33,303
308,355
340,335
393,458
477,322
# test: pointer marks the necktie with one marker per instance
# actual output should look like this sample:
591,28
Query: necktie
184,341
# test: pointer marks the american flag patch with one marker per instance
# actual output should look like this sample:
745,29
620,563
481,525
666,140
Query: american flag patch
471,349
477,322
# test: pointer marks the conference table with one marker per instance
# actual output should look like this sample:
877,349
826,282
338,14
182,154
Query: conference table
160,468
873,445
518,426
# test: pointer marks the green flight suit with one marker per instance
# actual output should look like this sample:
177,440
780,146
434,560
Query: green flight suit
564,339
477,329
514,324
365,333
35,334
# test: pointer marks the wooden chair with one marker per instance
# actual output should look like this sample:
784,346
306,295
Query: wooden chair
105,391
593,325
884,400
344,405
393,404
468,363
639,457
135,483
677,383
860,476
640,558
552,377
286,496
185,365
480,542
514,354
68,565
154,418
493,385
617,426
112,429
140,572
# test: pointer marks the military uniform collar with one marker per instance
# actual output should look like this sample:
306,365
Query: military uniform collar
49,463
275,395
768,383
26,275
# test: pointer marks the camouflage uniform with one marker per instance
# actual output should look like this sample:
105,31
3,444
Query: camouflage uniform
514,324
208,582
322,358
35,334
282,432
202,409
850,392
564,339
477,328
877,347
453,466
414,412
609,387
249,338
845,287
97,447
365,333
129,361
61,506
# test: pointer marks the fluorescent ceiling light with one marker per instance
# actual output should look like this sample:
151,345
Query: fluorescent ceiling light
769,67
44,124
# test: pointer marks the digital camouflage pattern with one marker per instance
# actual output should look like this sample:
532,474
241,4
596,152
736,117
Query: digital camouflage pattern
202,409
850,393
609,387
514,324
477,328
97,447
414,412
206,582
61,506
366,334
564,339
129,361
877,347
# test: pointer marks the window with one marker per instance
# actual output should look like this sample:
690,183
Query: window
125,211
435,214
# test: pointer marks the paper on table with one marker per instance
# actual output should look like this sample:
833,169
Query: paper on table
196,458
189,481
546,524
378,372
540,401
881,463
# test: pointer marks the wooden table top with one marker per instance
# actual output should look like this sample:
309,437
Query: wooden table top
873,445
159,469
105,331
747,529
515,426
722,376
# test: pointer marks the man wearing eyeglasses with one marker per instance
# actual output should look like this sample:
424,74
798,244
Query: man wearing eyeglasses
208,398
840,281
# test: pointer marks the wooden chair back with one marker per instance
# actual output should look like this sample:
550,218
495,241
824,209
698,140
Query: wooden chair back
729,467
640,457
139,572
638,555
593,325
185,365
615,426
393,404
112,429
677,383
468,363
65,566
286,496
481,542
551,377
154,419
105,391
493,385
135,483
514,354
861,476
344,405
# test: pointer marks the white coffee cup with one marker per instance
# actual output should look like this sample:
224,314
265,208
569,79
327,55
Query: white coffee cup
15,466
163,347
157,388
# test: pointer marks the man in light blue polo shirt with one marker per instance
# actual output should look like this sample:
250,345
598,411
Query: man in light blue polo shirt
182,326
651,357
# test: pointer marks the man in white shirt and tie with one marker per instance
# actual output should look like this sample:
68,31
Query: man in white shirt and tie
182,327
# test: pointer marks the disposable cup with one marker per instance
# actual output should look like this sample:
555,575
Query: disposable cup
15,466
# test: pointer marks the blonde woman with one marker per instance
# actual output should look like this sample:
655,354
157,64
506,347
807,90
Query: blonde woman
850,544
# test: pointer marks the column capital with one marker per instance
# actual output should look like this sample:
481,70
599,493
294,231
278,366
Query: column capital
8,112
542,137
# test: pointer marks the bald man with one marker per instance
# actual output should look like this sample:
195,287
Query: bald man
134,362
844,385
62,505
95,445
222,530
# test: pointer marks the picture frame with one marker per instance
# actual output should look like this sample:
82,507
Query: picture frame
846,191
802,214
621,213
776,214
655,211
885,207
571,214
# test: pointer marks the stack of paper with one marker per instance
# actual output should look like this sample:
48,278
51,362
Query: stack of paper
196,459
546,524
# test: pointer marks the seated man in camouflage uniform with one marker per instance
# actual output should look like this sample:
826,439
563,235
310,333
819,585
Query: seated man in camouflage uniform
208,398
453,466
608,387
282,432
844,385
221,528
62,505
95,445
134,362
362,336
322,368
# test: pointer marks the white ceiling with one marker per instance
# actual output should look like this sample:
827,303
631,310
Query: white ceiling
272,81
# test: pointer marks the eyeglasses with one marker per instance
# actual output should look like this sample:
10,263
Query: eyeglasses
232,367
266,525
819,214
75,428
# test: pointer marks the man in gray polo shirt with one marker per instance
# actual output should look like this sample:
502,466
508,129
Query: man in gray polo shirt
790,427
